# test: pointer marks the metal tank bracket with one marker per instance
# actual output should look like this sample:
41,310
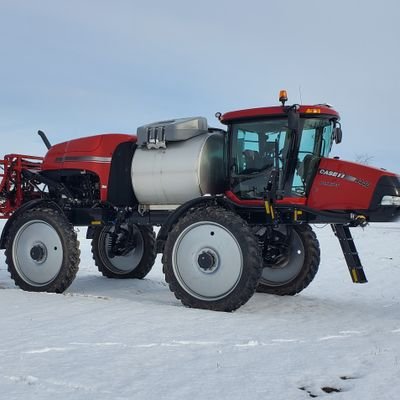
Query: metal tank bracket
158,134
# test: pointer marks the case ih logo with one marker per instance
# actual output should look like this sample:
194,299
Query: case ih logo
334,174
341,175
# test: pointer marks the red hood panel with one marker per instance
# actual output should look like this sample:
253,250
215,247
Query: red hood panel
94,146
343,185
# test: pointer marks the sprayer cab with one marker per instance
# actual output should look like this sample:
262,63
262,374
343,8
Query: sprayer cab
289,140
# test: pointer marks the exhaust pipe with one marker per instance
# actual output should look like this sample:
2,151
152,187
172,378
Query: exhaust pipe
45,140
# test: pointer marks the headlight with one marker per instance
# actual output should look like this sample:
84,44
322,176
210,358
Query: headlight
390,201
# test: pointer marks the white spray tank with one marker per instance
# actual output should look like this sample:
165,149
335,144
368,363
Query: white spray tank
176,161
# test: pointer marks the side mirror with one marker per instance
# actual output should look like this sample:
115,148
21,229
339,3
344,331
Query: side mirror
337,134
293,119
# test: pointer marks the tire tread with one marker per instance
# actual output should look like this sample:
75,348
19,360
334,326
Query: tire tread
308,271
71,256
251,254
145,265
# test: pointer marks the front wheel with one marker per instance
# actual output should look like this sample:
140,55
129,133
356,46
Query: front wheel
42,251
212,260
291,259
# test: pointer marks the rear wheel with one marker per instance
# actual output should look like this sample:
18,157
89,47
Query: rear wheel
42,251
212,260
290,259
127,253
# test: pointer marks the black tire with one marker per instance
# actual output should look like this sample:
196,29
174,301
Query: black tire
42,251
136,264
297,269
212,260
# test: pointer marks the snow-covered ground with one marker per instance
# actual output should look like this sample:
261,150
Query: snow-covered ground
110,339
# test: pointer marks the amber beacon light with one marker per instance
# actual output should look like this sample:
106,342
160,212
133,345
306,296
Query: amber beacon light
283,97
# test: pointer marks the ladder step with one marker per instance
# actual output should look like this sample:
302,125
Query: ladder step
350,253
358,275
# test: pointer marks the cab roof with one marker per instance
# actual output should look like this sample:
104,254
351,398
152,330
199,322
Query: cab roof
276,111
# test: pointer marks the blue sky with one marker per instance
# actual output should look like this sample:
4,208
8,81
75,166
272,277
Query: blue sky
75,68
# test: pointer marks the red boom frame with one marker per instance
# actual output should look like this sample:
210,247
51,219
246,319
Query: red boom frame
14,190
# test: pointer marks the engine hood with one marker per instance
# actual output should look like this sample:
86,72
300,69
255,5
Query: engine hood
98,148
344,185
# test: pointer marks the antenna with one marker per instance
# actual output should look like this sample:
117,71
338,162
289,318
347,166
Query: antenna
301,99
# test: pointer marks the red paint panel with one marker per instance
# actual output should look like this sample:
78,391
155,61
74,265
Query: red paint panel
343,185
247,203
56,151
291,201
275,111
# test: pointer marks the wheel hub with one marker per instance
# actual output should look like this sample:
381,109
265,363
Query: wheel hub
38,253
206,260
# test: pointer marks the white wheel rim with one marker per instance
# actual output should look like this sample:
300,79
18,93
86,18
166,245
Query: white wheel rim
223,274
279,275
122,264
37,253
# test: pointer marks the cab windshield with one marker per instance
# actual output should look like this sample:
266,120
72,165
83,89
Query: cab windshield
260,146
